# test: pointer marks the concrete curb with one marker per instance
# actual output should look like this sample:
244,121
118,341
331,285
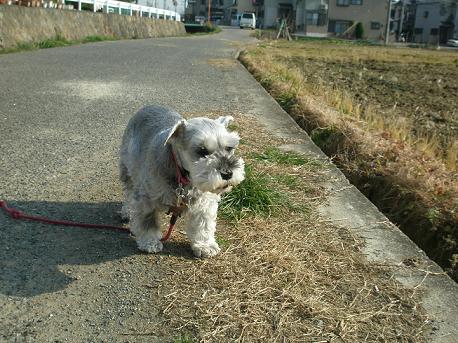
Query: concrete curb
385,243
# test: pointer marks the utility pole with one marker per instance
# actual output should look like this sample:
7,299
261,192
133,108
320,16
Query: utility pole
401,20
209,11
388,20
305,17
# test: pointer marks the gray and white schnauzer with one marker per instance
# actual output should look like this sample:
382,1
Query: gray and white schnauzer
166,161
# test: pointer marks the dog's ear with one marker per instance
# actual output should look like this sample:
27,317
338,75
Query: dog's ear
176,131
226,120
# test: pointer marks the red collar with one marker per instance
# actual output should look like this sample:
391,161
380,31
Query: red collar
182,180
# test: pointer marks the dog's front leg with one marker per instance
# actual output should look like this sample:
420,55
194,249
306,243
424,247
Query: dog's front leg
201,225
145,227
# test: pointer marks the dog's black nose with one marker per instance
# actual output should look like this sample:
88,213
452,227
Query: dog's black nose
226,175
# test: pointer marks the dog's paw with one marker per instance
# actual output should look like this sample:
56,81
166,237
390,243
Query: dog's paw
150,246
205,250
124,214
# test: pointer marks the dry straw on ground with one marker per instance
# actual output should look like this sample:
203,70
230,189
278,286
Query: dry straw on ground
287,277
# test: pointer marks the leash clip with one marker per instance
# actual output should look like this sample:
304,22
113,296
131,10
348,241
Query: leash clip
180,192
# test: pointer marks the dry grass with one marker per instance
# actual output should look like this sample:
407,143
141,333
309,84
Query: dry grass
288,281
402,173
380,86
288,277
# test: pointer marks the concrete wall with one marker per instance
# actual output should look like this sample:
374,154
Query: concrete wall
26,25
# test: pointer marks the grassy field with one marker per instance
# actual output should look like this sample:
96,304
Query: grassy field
389,118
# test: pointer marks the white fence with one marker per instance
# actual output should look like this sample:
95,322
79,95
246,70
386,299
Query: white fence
125,8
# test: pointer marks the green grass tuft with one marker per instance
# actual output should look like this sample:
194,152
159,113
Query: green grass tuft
232,127
205,30
290,181
56,42
223,243
328,138
287,99
254,196
183,339
53,43
91,39
25,46
275,155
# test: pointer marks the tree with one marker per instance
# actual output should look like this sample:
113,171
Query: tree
359,31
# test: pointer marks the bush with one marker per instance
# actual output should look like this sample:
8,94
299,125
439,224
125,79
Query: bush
359,31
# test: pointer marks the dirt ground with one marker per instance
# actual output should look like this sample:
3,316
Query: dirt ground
424,93
420,86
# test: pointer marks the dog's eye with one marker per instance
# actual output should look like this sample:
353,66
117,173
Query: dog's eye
229,148
202,152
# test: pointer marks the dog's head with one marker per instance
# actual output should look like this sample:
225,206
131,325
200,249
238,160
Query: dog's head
206,150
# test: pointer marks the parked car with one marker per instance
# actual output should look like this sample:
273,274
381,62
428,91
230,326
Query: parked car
200,19
453,42
248,20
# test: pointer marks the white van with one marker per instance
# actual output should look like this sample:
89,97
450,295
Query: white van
248,20
235,19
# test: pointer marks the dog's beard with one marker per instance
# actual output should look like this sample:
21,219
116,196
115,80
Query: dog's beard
206,178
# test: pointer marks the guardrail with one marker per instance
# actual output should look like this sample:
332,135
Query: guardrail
125,8
106,6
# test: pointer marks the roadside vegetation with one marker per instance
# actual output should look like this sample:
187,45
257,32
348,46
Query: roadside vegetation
197,30
60,41
388,118
283,273
56,42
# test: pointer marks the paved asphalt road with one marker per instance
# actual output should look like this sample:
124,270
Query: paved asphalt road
65,104
62,113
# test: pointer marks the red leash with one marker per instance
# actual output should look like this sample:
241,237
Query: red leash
182,180
176,211
16,214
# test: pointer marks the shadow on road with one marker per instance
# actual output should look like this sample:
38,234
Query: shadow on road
31,252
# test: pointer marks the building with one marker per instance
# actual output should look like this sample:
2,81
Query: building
320,18
323,17
436,21
171,5
218,9
403,19
312,17
372,14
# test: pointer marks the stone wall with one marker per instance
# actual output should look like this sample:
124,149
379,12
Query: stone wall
27,25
